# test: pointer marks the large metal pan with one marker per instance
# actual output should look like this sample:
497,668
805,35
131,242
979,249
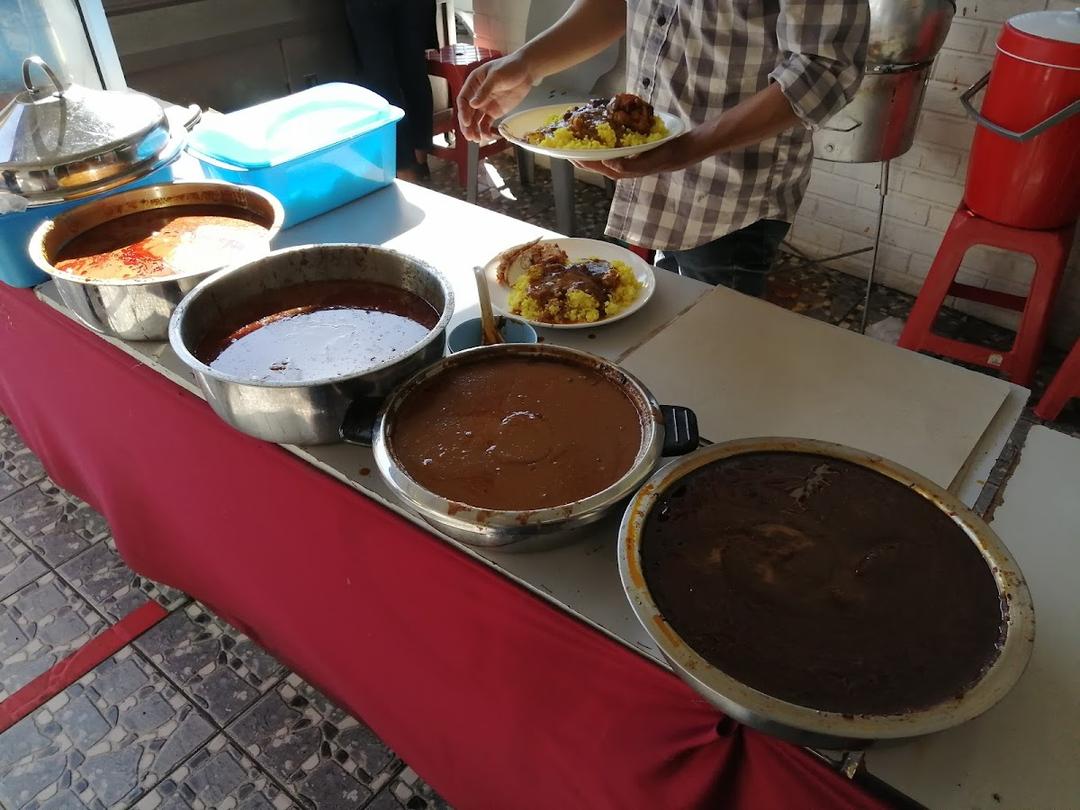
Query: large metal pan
310,413
666,430
800,724
140,308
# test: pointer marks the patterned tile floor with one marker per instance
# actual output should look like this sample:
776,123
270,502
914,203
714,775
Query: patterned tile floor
193,715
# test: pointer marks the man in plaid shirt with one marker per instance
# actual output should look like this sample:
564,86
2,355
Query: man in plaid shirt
751,77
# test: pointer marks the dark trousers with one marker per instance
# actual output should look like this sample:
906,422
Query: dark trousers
739,260
391,37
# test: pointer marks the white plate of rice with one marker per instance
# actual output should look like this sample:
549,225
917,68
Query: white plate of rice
628,263
515,127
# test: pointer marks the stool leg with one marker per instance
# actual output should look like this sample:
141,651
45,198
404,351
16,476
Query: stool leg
473,170
562,180
1031,333
936,286
526,165
1064,386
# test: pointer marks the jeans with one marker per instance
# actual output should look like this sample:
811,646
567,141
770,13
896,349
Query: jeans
739,260
391,37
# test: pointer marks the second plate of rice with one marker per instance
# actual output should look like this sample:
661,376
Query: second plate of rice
628,280
517,126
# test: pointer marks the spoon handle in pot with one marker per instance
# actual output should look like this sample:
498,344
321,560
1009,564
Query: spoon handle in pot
488,328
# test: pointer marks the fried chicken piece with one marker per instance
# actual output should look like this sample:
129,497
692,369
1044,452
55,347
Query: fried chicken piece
630,112
525,256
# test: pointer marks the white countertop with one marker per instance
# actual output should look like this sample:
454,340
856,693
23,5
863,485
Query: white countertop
454,236
583,578
1025,751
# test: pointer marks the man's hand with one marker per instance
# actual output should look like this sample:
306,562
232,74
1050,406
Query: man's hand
490,92
676,154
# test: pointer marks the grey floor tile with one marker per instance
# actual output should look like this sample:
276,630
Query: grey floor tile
408,792
218,777
216,666
40,625
55,523
103,742
18,565
103,578
324,757
16,460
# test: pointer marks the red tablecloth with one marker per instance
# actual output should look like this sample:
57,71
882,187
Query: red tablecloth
497,698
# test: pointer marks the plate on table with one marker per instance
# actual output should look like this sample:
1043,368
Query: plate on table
516,126
577,250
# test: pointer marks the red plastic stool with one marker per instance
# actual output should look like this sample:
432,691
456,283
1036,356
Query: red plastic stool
1049,249
1064,386
648,254
454,63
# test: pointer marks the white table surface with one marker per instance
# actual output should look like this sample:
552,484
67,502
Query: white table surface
454,236
1024,752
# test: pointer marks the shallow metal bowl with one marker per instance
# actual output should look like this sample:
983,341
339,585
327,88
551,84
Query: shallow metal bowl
140,308
800,724
310,413
664,429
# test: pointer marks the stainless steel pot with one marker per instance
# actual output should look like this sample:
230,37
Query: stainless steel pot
904,32
800,724
140,308
666,430
879,123
313,412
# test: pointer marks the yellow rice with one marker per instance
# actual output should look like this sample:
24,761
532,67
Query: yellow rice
579,306
563,137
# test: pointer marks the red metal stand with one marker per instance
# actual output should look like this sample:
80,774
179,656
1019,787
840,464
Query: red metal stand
1049,249
454,63
1064,386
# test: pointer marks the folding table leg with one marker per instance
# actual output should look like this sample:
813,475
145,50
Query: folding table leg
526,165
473,169
562,180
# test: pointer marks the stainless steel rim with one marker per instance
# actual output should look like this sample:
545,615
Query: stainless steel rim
189,359
157,192
467,517
749,704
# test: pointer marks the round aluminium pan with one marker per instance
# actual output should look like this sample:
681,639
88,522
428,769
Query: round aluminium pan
801,724
665,430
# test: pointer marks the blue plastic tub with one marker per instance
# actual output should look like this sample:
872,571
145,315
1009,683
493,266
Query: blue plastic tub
16,269
314,150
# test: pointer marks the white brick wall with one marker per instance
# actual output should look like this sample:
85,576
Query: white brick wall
927,183
925,186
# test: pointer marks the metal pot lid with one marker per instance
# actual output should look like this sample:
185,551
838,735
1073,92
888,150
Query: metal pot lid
62,141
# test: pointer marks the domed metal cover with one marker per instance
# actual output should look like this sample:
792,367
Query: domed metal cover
61,142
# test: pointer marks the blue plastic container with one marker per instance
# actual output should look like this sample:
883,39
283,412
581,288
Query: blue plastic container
313,150
16,269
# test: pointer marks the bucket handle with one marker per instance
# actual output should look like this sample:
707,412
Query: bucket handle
1026,135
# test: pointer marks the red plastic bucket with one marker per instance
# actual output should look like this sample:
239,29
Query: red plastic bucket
1025,158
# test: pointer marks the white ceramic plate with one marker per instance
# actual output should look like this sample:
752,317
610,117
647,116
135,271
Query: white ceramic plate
516,126
578,250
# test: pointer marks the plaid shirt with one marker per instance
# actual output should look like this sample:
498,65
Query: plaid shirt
696,59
